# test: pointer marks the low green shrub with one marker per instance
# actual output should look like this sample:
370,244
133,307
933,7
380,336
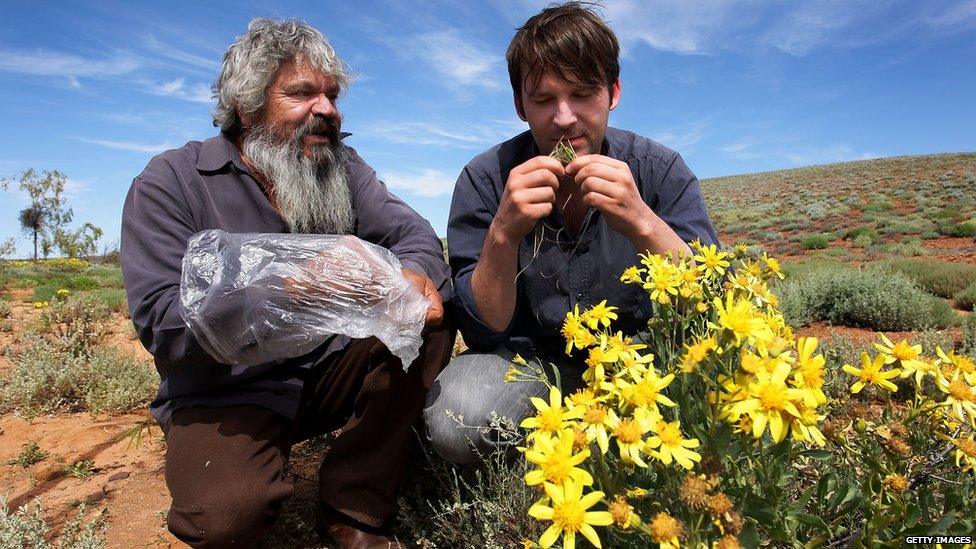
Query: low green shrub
4,309
47,378
113,299
853,234
959,229
76,324
874,298
814,242
30,454
25,528
939,278
965,299
969,335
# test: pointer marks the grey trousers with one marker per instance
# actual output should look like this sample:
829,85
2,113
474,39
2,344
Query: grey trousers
470,396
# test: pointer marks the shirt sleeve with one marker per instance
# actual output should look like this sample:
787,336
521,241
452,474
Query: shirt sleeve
156,225
385,220
681,205
472,210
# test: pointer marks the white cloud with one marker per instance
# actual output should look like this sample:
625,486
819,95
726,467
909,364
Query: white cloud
198,93
210,64
456,135
827,155
683,137
128,145
677,26
49,63
461,61
427,182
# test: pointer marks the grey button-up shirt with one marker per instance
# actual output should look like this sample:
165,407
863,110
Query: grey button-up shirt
205,185
566,272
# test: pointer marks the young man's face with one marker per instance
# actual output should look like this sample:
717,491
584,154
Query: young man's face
556,109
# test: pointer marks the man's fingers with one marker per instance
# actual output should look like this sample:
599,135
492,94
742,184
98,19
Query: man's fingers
596,169
599,186
588,159
535,163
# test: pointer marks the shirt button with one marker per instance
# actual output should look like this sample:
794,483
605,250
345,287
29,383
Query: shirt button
579,296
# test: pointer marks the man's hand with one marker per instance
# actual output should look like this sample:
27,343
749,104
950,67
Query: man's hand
608,185
528,197
435,311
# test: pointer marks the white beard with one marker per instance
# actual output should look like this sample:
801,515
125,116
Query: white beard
312,193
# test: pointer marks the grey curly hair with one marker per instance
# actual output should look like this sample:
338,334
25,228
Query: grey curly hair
253,59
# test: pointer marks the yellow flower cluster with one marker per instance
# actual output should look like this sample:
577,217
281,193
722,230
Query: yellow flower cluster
730,334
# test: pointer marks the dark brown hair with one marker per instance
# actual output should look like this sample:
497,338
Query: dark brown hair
567,40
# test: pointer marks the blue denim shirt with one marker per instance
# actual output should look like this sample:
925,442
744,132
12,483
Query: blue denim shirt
206,185
566,272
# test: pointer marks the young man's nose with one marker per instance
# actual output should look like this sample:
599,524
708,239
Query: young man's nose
565,115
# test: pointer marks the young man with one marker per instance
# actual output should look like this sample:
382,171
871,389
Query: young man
277,166
530,239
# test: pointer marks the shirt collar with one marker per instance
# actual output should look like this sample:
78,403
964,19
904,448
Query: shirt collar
216,152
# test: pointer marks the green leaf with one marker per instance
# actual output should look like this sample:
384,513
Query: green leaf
817,454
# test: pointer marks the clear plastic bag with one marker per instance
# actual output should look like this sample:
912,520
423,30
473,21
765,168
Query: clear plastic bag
256,298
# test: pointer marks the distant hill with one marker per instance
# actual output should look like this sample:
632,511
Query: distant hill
881,207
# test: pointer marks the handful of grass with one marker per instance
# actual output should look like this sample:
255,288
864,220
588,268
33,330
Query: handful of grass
563,151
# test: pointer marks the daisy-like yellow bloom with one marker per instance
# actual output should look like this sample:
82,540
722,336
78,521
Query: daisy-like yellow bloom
632,275
646,390
810,371
959,362
637,493
662,284
600,315
872,373
62,294
965,453
712,261
741,319
551,417
619,346
960,396
40,304
596,423
770,402
805,427
575,332
556,461
570,515
668,444
906,355
773,266
584,397
695,353
666,531
629,433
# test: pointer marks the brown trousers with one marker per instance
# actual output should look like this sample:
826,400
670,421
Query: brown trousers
224,466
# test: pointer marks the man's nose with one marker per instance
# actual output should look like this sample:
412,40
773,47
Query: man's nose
324,106
565,115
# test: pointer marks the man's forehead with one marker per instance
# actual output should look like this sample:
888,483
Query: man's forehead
549,81
300,70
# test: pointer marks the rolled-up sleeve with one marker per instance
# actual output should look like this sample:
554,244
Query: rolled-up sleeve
680,202
156,225
387,221
472,210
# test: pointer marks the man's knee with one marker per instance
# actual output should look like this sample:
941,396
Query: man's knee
232,516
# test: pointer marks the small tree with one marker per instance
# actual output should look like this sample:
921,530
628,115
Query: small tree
7,247
47,213
80,243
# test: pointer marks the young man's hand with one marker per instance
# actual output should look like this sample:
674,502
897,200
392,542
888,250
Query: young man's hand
435,311
528,197
608,185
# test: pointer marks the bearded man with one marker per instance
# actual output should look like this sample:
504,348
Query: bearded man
278,166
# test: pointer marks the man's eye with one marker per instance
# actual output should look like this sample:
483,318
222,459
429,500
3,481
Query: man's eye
541,100
582,94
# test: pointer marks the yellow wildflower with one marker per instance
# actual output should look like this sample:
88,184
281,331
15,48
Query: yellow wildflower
770,402
872,372
632,275
556,461
551,417
896,483
629,433
773,266
668,443
623,513
599,315
741,319
965,453
569,515
712,261
960,396
694,354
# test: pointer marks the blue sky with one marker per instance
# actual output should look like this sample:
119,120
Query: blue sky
95,89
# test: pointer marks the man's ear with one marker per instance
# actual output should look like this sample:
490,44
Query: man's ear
615,94
518,107
244,118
